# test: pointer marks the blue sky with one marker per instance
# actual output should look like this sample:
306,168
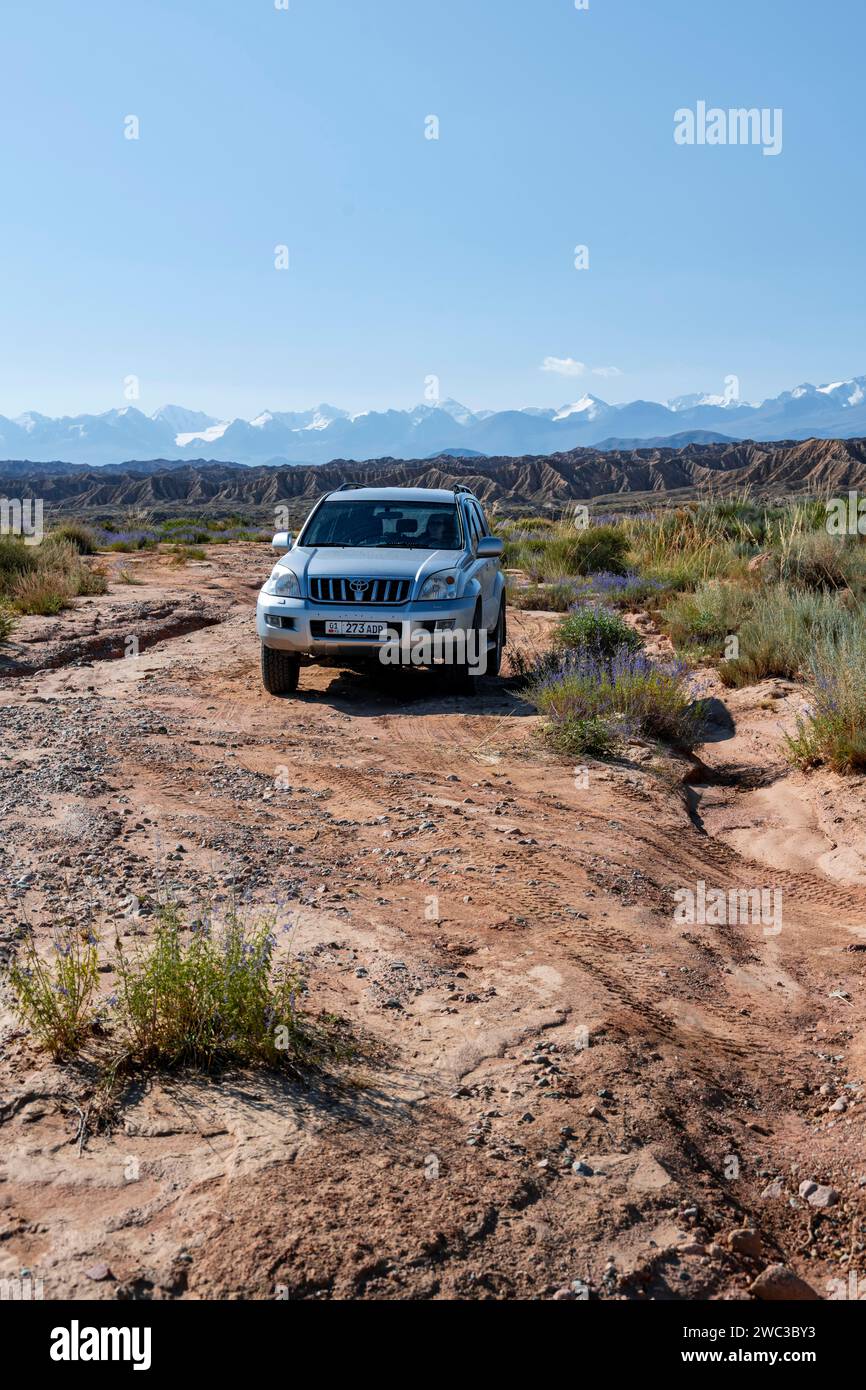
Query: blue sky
412,257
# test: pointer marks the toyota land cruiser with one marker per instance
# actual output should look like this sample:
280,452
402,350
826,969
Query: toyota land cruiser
392,575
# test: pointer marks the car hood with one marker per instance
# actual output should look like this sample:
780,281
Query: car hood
365,562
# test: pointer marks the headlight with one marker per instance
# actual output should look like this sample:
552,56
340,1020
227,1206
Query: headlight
438,586
283,582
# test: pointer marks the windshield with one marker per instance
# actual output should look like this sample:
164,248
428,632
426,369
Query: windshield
392,525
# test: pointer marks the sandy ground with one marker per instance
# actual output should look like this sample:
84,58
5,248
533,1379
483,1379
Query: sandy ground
577,1091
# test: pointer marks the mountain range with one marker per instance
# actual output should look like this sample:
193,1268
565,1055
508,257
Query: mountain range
824,466
325,433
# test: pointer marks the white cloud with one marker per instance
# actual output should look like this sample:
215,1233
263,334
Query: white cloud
563,366
567,366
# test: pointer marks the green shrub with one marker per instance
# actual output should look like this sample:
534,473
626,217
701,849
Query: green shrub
834,731
214,998
686,546
816,560
698,622
628,694
188,535
16,559
89,582
531,523
598,548
597,631
42,594
81,537
593,737
128,547
625,591
182,554
544,598
783,630
565,550
7,620
43,579
55,999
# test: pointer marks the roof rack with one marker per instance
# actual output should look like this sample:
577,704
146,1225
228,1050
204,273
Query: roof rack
346,487
461,487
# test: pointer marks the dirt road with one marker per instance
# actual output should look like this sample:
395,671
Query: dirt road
577,1091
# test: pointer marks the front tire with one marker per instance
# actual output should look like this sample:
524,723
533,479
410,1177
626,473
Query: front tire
280,671
464,680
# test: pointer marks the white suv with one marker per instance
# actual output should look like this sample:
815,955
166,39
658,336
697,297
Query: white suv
394,575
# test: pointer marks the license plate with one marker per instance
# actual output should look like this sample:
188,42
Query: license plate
335,628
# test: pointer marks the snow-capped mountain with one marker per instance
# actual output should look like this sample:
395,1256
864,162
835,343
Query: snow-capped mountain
589,407
182,420
697,398
837,409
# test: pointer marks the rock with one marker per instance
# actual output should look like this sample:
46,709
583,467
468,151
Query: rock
579,1289
717,714
745,1241
823,1197
99,1272
778,1284
773,1189
582,1170
649,1175
806,1189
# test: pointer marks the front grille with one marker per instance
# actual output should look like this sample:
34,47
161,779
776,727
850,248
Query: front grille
382,591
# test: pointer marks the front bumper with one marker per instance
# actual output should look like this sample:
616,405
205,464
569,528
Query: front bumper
296,625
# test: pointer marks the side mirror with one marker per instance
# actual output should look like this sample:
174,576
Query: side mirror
489,548
283,540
